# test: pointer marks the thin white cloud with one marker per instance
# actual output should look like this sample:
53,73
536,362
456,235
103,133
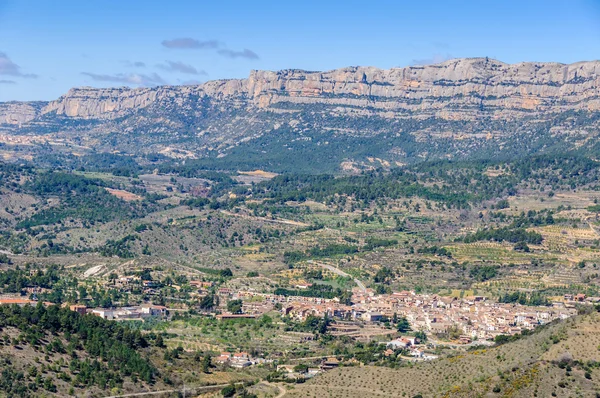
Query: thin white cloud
189,43
8,82
9,68
177,66
128,78
248,54
134,64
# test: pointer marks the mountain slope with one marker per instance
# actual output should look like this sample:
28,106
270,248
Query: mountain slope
461,108
556,360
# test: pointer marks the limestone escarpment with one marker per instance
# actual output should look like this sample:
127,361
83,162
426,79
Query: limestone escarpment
458,109
456,89
88,102
16,113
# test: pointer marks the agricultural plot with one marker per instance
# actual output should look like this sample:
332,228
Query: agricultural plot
240,335
560,238
494,252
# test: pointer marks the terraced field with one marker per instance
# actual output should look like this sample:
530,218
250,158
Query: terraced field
495,252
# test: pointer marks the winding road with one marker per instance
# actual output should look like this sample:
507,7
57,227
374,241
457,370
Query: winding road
339,272
194,390
590,220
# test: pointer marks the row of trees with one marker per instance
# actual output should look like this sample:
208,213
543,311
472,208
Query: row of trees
505,234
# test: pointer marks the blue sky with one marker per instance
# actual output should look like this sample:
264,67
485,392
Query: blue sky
47,47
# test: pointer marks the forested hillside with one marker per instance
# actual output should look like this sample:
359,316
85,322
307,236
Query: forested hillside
55,350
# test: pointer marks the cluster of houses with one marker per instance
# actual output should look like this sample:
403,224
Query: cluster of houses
410,344
238,360
474,317
21,302
125,313
120,313
580,298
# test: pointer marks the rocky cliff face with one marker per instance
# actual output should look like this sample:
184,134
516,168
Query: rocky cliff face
88,102
16,113
456,89
292,119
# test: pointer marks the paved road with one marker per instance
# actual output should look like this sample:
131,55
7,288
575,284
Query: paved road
338,271
306,358
475,343
195,390
265,219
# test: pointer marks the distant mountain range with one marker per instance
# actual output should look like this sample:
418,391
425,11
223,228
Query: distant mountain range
347,118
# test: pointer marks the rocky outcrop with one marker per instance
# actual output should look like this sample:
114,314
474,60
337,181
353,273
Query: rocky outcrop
16,113
88,102
456,89
314,121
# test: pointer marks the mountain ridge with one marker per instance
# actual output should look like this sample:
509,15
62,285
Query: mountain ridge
456,109
484,77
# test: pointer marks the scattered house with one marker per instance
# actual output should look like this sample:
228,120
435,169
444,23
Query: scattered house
330,363
201,284
465,339
580,297
417,352
224,358
303,286
411,339
241,364
236,360
372,316
153,310
398,344
402,342
240,355
129,313
80,309
21,302
103,313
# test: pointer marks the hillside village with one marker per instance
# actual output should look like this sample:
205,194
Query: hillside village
474,317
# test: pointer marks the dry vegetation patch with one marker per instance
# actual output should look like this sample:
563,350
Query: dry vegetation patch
524,368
